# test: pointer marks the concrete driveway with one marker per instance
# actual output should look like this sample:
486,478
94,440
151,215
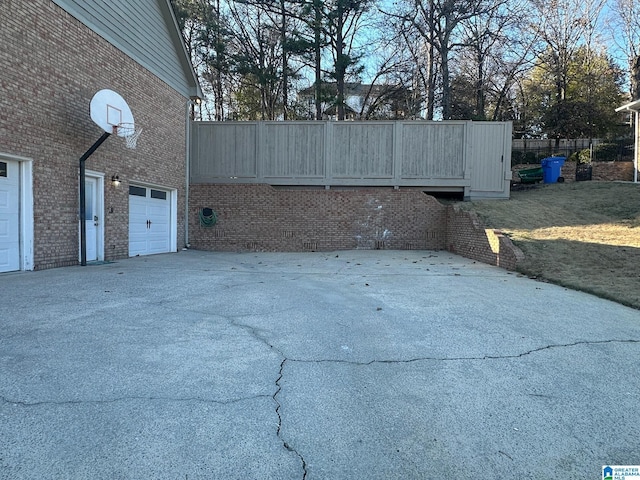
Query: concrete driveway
343,365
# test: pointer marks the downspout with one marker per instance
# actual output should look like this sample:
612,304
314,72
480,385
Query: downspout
83,213
187,142
635,147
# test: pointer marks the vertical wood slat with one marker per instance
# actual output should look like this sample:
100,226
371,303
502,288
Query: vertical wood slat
473,155
363,150
292,149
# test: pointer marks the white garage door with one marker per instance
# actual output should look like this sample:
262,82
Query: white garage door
149,221
9,216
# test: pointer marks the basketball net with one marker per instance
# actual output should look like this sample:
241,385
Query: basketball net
128,132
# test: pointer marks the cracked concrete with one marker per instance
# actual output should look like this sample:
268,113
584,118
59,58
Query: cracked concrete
362,364
458,359
285,443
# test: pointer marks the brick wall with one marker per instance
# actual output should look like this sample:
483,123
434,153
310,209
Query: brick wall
260,217
467,236
52,65
602,171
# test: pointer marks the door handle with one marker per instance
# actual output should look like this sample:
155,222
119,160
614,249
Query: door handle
95,220
148,223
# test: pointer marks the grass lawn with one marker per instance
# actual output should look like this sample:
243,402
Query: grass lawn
585,236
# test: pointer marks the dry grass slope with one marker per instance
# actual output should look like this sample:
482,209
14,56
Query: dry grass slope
584,236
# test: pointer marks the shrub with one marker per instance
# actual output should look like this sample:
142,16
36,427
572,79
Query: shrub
581,156
519,157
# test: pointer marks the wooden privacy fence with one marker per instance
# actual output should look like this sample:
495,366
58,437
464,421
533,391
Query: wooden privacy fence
465,156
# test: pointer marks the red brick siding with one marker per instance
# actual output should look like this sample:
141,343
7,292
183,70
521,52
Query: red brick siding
52,65
260,217
602,171
467,236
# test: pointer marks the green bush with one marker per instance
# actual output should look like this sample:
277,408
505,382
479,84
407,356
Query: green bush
608,152
581,156
519,157
605,152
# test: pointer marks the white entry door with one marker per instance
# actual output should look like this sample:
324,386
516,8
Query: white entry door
9,216
92,217
149,221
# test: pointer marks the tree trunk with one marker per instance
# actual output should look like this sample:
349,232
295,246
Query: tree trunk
443,50
341,63
317,32
480,88
219,95
285,60
431,69
219,103
635,78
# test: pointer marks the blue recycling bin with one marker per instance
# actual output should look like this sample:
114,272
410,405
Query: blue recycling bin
551,168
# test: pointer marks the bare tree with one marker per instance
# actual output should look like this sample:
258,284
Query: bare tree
343,22
438,23
258,60
626,22
563,26
499,46
207,37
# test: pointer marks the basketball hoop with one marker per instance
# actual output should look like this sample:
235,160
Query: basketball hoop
129,132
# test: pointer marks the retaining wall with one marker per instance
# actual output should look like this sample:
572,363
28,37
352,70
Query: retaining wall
602,171
264,218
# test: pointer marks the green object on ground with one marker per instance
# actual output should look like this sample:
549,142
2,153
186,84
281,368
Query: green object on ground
530,175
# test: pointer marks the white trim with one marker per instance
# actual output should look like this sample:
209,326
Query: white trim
173,212
635,108
99,177
173,227
26,209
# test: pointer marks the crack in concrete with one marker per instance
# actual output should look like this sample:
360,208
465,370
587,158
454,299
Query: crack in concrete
253,331
286,444
132,398
255,334
458,359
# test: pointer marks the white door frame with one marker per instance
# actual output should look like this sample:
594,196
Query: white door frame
26,209
173,210
99,210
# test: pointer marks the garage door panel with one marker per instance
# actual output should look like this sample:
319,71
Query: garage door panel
4,229
9,217
158,211
159,246
9,241
149,222
9,258
8,199
137,248
138,222
136,209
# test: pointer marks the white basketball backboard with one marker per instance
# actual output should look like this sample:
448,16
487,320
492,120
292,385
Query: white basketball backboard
109,110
